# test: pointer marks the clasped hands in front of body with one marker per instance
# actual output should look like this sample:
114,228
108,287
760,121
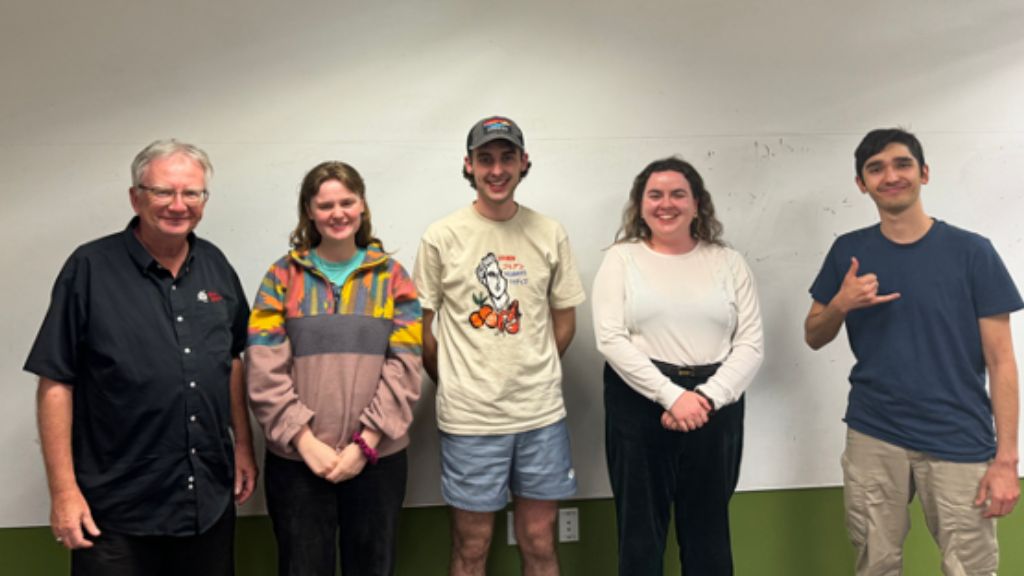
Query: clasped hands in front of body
331,464
689,412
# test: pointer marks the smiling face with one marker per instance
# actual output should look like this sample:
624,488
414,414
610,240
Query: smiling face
169,220
337,213
496,168
668,208
893,178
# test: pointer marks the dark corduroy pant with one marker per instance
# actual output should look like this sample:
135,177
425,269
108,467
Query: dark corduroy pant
315,521
654,470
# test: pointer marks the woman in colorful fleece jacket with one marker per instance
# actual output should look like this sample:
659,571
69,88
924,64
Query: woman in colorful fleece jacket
333,367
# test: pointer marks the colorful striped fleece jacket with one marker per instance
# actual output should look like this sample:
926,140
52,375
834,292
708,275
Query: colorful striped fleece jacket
336,359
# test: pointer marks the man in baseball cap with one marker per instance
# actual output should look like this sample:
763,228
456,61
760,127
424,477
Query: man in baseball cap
502,282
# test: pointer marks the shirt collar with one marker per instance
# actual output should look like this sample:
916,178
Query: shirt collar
140,256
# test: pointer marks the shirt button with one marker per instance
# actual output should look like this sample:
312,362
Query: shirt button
188,350
174,286
191,479
181,318
193,451
191,487
192,384
192,418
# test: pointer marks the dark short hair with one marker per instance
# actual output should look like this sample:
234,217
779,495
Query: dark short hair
878,139
705,227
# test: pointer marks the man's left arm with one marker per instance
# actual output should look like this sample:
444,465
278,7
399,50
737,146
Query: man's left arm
245,459
1000,486
563,322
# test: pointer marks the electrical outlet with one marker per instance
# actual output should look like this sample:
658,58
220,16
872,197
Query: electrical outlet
569,525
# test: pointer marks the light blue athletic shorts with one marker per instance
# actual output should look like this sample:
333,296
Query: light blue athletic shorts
477,471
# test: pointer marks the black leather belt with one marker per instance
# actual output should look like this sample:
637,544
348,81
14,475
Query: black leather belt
705,371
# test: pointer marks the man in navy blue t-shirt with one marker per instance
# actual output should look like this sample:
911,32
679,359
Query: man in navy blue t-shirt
927,311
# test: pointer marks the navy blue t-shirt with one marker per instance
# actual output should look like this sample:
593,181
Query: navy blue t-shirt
919,377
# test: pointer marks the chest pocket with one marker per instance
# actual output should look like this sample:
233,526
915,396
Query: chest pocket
213,323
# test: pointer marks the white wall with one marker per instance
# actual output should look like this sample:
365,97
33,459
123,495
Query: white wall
768,99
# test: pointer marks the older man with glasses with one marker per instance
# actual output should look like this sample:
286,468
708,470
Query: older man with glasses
141,403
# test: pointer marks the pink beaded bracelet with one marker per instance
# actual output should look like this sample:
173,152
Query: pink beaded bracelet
371,454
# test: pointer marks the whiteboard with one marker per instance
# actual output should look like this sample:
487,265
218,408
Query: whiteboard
767,99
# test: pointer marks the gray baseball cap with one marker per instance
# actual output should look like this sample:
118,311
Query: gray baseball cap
494,128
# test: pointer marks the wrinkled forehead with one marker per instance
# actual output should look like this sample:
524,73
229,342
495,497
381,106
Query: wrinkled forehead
174,163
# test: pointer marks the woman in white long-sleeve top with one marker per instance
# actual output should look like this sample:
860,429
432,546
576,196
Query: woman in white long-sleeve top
677,318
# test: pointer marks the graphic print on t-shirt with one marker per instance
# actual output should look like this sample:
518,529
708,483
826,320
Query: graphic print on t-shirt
497,309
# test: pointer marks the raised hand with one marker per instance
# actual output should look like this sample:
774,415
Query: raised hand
860,291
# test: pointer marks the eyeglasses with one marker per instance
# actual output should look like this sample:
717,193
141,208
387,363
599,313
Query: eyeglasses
166,195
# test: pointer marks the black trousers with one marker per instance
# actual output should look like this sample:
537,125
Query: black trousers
654,470
208,554
311,516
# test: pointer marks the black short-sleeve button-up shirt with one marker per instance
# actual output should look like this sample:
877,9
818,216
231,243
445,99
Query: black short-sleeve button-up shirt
148,357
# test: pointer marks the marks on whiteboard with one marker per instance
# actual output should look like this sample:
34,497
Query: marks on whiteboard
767,151
763,151
844,204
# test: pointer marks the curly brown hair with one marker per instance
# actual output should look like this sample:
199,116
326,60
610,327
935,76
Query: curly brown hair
704,227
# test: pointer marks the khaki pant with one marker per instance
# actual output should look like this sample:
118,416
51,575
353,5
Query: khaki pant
880,480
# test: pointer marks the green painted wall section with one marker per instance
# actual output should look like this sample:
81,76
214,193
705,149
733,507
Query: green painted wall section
778,533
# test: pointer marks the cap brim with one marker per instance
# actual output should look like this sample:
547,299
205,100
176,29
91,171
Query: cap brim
492,137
